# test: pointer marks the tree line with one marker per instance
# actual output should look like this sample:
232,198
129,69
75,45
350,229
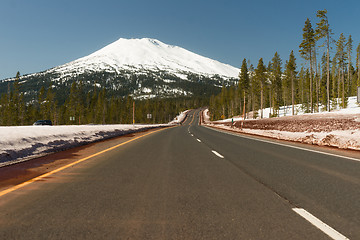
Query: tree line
91,107
323,84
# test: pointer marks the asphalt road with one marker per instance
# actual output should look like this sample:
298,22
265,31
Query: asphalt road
189,182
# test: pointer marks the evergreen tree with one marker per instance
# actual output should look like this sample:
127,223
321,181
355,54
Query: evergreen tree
341,59
323,31
301,85
276,81
15,101
307,52
260,76
4,114
41,101
323,89
349,48
21,110
290,75
244,83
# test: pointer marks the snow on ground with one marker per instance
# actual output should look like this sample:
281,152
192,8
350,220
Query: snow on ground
25,142
352,108
180,117
22,143
339,128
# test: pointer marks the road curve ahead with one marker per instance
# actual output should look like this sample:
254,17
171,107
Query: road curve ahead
191,182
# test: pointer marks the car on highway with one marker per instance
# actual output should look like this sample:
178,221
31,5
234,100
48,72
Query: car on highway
43,122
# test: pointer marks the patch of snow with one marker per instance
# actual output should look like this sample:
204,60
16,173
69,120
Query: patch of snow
180,117
146,90
22,143
335,135
145,53
169,81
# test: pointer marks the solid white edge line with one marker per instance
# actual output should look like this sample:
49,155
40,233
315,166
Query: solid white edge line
319,224
217,154
285,145
198,140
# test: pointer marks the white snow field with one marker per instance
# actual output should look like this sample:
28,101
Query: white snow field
22,143
319,131
146,53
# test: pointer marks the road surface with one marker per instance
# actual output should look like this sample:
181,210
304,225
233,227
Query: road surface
190,182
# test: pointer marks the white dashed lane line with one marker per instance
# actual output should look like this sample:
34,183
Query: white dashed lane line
217,154
319,224
198,140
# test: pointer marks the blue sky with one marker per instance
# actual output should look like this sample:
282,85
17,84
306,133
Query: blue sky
39,34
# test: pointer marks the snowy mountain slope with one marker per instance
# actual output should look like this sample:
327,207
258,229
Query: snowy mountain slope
142,68
150,54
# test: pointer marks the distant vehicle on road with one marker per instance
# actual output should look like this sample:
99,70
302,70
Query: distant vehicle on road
43,122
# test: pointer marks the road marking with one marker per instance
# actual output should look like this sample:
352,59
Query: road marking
285,145
217,154
319,224
2,193
192,135
192,118
198,140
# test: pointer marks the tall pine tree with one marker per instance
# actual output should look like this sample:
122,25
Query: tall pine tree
260,75
290,74
307,52
244,84
349,48
323,31
341,59
276,81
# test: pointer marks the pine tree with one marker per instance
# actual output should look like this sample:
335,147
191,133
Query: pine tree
323,31
253,91
244,83
349,48
323,89
260,75
41,101
21,110
290,74
307,52
276,81
4,115
15,101
50,106
341,58
302,84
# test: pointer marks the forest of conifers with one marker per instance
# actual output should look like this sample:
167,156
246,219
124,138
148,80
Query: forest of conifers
94,107
324,84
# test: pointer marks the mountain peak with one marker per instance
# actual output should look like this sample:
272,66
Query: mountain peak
151,54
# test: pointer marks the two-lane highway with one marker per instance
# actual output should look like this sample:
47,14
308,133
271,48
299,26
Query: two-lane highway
190,182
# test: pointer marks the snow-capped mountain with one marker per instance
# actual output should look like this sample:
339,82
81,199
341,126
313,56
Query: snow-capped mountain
148,54
142,68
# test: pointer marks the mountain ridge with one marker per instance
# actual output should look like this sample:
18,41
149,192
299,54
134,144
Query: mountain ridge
141,68
148,53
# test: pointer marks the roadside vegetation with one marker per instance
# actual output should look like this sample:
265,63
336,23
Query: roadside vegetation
324,83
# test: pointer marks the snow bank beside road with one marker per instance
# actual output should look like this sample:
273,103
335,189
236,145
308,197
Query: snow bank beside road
23,142
346,139
339,128
181,117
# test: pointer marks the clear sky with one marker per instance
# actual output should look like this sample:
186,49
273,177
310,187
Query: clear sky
36,35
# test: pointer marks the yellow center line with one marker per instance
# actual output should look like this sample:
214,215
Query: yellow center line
2,193
192,119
